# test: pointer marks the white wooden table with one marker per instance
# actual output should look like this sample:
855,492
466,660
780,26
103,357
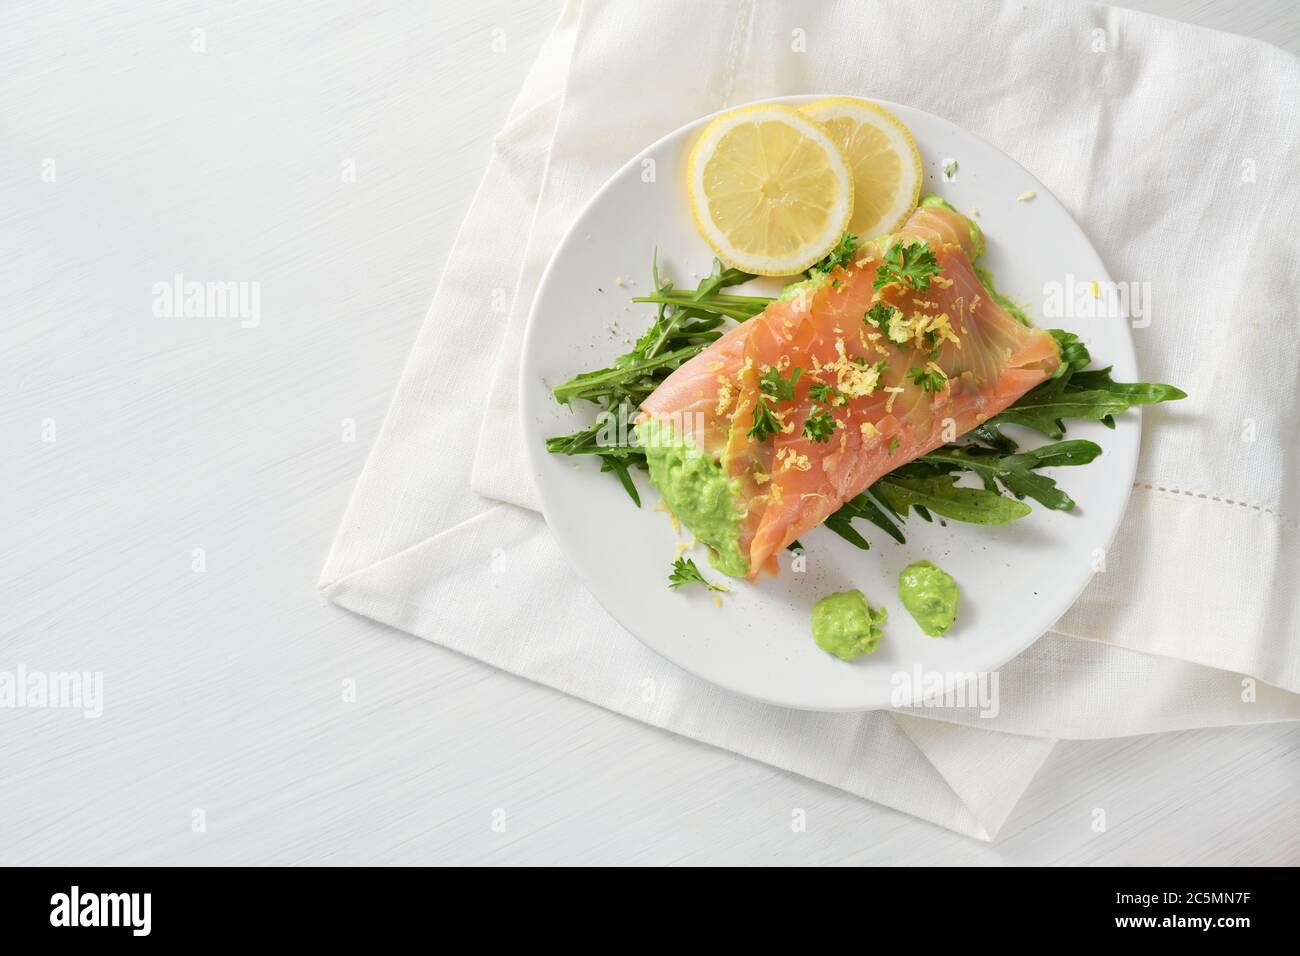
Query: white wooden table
221,154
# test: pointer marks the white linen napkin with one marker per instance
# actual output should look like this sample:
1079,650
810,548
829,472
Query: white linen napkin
1148,130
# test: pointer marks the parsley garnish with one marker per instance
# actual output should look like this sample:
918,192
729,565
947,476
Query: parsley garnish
930,340
819,425
911,265
879,315
893,445
826,394
782,389
765,423
841,255
771,385
928,379
685,572
950,170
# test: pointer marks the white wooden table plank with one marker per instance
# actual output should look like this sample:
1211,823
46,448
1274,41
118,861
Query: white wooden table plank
222,688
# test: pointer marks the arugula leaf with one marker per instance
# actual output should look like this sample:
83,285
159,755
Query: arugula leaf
610,438
991,435
1016,473
943,496
1136,393
719,278
1045,408
1074,354
909,264
593,440
1080,393
863,507
685,572
633,376
707,299
738,307
618,464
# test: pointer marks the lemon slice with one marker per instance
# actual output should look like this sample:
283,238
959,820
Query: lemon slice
886,164
770,190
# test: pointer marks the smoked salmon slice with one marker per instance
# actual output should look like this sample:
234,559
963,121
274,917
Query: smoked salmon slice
847,377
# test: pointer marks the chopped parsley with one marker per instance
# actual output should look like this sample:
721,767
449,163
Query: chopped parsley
838,257
950,170
929,379
773,384
893,445
818,426
879,315
931,341
765,424
685,572
826,394
911,265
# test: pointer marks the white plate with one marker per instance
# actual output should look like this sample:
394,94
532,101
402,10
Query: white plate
1015,580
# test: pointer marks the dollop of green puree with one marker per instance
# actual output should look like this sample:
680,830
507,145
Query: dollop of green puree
698,491
930,594
845,625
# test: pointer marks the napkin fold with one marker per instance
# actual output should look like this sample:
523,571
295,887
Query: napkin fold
1195,622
